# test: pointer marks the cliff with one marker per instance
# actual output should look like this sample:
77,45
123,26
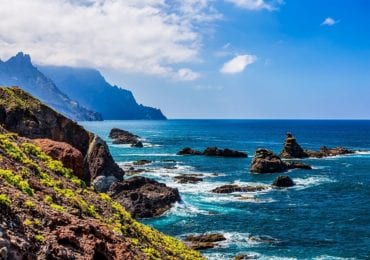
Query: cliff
19,71
91,89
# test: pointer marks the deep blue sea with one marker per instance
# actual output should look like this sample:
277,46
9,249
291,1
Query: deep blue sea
325,216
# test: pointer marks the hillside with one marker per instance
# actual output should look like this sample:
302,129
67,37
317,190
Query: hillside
46,210
19,71
91,89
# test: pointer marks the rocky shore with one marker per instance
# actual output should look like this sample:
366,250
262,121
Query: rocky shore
120,136
48,210
213,151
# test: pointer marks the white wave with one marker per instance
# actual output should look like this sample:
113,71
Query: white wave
328,257
151,145
319,167
303,183
363,152
184,209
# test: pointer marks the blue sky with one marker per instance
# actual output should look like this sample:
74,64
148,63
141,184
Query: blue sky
235,58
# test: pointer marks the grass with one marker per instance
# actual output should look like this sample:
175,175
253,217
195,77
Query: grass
17,181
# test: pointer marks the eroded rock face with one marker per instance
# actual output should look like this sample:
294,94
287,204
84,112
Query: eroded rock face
99,161
266,161
283,182
120,136
70,156
144,197
102,183
213,151
292,149
236,188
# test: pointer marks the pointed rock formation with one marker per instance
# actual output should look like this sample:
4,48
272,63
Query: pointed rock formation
292,149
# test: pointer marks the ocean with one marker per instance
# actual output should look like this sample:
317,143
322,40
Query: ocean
325,216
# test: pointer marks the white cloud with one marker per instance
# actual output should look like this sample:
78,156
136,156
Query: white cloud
238,64
256,4
146,36
329,21
187,74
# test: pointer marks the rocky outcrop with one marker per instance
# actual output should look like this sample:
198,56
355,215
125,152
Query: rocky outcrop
213,151
120,136
144,197
293,150
236,188
102,183
66,153
205,241
266,161
28,117
283,182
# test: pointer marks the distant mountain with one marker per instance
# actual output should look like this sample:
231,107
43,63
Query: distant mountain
90,88
19,71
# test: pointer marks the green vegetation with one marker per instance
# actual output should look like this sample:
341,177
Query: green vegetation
15,97
17,181
27,222
4,200
39,238
29,204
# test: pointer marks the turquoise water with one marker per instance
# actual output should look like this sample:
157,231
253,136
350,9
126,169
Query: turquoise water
325,216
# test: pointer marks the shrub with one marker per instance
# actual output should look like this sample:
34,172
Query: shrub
17,181
4,200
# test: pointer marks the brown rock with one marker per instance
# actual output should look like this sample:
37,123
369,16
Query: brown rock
70,156
236,188
189,151
187,179
283,181
214,151
120,136
205,241
292,149
144,197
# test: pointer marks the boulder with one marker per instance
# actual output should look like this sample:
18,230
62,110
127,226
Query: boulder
189,151
70,156
326,152
292,149
120,136
144,197
205,241
102,183
266,161
236,188
214,151
187,178
283,182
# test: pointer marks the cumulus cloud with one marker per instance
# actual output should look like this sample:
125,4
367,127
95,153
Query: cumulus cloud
238,64
329,22
256,4
146,36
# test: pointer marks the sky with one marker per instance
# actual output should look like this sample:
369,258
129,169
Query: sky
208,58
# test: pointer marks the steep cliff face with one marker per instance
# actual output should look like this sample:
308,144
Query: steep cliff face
46,212
90,88
25,115
19,71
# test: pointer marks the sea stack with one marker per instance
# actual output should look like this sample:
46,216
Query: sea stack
292,149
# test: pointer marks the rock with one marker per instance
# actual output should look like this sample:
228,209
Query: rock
283,181
187,179
132,171
213,151
189,151
3,253
245,257
141,162
99,161
70,156
205,241
236,188
292,149
144,197
37,121
266,161
120,136
102,183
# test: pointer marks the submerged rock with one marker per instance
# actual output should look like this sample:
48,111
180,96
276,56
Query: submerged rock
144,197
141,162
213,151
205,241
236,188
188,178
266,161
283,181
120,136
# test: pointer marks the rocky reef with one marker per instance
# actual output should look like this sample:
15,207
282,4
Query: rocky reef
266,161
120,136
230,188
49,212
283,182
213,151
293,150
204,241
